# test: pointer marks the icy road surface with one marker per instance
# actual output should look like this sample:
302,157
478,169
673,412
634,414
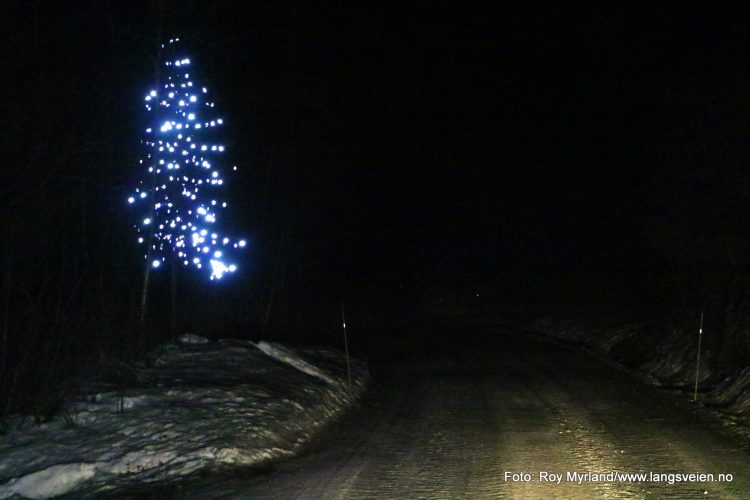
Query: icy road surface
452,425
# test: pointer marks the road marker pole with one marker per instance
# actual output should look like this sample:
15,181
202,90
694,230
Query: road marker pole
346,348
698,360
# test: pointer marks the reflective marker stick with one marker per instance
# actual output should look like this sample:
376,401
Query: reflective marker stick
346,348
698,360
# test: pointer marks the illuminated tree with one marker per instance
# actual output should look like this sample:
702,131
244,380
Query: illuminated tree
179,197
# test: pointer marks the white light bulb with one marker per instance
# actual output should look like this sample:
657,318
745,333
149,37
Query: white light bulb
218,268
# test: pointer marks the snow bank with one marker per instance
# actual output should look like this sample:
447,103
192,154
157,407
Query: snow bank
667,357
199,405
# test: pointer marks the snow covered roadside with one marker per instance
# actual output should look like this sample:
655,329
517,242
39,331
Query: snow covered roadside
665,358
199,405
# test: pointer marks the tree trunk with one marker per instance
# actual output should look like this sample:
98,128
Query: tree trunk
173,293
144,293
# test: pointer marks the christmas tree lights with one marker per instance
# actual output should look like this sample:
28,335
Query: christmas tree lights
179,198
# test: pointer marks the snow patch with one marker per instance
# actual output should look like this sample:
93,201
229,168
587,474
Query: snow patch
286,355
191,338
197,406
53,481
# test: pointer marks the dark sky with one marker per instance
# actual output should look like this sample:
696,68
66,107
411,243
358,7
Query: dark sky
445,137
475,138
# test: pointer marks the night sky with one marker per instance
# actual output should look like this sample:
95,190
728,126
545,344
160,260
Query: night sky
405,140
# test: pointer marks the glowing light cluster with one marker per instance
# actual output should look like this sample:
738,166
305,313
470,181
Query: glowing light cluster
180,198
